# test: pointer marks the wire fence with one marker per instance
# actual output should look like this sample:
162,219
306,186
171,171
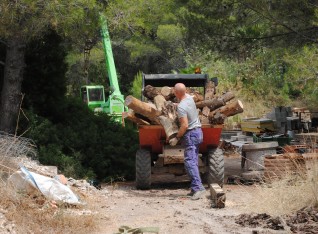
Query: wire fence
12,148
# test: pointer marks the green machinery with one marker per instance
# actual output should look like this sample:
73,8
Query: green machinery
94,95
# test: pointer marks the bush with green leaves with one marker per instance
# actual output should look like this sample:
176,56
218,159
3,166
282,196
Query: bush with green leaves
83,144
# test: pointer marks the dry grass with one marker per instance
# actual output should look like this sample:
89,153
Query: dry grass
37,215
34,213
288,194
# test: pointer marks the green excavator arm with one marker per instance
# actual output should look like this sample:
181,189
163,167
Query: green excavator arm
114,105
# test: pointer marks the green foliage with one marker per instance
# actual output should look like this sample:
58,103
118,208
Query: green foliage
152,35
301,75
96,72
29,19
137,85
82,144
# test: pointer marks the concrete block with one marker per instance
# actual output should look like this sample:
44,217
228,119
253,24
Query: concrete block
253,175
217,195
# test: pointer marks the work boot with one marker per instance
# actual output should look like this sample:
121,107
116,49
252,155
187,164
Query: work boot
191,193
198,194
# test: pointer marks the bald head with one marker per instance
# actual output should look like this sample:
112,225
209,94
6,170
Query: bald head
180,90
180,87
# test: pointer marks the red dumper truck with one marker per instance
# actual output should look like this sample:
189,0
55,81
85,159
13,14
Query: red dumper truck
156,157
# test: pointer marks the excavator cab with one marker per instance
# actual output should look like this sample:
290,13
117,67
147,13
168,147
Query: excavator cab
93,96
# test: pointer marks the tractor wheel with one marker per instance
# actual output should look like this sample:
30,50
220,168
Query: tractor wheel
143,169
215,167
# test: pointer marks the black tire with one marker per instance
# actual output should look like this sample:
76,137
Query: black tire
143,169
215,167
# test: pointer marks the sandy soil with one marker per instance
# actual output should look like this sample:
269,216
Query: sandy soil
166,206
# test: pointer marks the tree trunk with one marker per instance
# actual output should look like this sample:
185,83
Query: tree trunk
11,89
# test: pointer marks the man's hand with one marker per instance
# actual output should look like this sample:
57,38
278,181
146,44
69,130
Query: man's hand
173,141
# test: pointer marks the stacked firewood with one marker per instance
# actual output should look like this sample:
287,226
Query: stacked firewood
161,104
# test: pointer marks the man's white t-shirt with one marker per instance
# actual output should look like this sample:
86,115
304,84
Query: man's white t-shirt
187,108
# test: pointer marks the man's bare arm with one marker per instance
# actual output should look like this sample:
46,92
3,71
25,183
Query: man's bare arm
183,126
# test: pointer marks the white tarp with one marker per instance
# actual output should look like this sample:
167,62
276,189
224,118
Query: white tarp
49,187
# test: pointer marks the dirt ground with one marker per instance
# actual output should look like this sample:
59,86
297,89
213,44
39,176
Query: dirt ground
166,206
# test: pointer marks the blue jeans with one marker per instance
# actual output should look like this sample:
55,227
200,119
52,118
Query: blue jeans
191,141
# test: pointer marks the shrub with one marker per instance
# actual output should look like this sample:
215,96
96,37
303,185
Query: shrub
82,144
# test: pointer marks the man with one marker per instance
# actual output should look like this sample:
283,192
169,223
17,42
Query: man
191,133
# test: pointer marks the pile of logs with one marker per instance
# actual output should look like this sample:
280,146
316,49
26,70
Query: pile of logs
160,107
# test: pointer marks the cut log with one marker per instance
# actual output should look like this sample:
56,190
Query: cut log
216,102
230,109
159,101
170,110
209,90
204,119
169,125
197,97
206,111
130,115
218,118
228,96
150,92
167,92
142,108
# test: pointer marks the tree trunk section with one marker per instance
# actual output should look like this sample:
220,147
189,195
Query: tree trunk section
228,96
209,90
11,89
206,111
142,108
130,115
159,101
230,109
150,92
167,92
197,97
216,102
170,111
169,125
204,119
